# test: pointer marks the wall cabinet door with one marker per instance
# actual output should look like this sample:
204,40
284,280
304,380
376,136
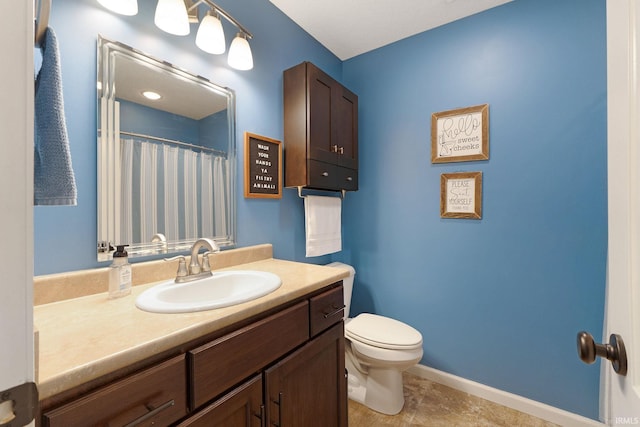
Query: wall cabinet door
308,388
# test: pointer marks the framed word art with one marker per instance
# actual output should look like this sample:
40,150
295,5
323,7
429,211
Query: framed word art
460,135
461,195
262,167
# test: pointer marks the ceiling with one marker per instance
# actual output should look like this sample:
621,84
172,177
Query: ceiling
351,27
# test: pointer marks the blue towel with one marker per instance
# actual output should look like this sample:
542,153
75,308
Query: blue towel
54,181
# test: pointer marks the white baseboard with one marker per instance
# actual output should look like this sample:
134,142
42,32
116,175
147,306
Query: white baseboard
513,401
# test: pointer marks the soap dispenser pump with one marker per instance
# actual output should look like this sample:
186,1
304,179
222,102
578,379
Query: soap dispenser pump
120,273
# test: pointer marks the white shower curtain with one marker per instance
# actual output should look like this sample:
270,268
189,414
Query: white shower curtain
220,196
206,194
171,201
148,190
190,194
126,193
183,194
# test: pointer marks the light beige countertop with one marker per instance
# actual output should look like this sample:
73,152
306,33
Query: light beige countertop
84,338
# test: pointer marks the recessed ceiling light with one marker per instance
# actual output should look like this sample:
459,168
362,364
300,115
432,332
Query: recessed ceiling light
154,96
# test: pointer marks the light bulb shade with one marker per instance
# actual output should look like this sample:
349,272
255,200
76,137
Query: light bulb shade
123,7
210,36
240,56
171,16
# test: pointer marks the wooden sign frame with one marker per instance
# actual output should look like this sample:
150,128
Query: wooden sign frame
262,167
461,195
460,135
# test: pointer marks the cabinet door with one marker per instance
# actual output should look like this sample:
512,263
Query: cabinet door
240,407
321,99
308,388
346,128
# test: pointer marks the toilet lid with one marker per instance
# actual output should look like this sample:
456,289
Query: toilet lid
383,332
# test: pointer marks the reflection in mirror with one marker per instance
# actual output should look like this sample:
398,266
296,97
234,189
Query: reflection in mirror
166,155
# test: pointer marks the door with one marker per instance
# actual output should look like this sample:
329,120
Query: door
16,198
620,395
308,387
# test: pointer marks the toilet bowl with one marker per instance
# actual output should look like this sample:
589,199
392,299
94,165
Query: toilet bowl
378,349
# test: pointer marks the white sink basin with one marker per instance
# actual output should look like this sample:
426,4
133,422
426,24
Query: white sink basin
223,289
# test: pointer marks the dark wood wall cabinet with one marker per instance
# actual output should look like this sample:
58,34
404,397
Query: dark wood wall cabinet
320,131
283,369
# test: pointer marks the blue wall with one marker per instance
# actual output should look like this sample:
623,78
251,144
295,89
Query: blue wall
498,300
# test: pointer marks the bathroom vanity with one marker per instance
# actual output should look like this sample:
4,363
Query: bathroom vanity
277,360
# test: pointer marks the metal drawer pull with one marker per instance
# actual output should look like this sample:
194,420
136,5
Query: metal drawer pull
260,415
279,403
325,173
349,179
152,413
334,312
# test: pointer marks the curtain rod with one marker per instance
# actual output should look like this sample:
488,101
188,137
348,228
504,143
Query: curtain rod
172,141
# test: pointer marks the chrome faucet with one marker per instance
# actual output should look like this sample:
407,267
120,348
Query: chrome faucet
196,269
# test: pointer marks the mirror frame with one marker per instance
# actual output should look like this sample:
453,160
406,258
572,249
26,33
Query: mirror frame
107,52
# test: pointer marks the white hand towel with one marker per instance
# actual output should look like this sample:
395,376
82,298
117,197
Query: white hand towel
323,216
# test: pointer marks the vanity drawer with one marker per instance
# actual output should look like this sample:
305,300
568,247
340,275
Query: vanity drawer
217,366
325,310
156,396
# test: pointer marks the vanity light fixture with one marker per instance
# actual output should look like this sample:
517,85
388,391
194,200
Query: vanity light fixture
210,36
172,17
175,17
123,7
240,56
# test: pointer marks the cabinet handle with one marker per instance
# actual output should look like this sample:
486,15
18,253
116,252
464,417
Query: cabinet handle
334,312
349,178
279,403
334,148
152,413
260,415
325,173
341,150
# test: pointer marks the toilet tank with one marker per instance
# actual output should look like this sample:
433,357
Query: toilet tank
347,284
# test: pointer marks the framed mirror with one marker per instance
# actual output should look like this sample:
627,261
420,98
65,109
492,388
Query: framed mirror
166,155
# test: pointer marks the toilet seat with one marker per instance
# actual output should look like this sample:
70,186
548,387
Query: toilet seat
383,332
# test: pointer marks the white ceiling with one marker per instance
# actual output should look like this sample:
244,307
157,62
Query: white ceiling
351,27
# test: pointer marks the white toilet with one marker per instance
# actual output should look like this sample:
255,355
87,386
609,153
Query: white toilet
378,350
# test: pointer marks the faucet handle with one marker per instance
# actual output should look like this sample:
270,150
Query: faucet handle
182,265
205,261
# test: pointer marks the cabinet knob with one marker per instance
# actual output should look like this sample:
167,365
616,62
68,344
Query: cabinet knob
325,173
334,148
349,179
341,150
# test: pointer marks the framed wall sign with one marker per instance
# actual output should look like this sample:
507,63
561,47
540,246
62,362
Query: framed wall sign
262,167
461,195
460,135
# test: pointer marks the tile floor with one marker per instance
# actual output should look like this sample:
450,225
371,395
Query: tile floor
434,405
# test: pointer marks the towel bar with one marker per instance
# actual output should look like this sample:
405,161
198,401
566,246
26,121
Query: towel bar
343,193
41,21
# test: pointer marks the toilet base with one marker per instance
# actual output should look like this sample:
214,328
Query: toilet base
380,389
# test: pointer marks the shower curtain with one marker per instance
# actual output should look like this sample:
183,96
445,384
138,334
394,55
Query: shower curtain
166,189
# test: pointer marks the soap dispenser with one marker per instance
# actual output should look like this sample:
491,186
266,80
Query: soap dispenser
120,273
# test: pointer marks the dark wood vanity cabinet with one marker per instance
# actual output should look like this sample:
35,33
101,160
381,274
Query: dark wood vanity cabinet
320,130
285,369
